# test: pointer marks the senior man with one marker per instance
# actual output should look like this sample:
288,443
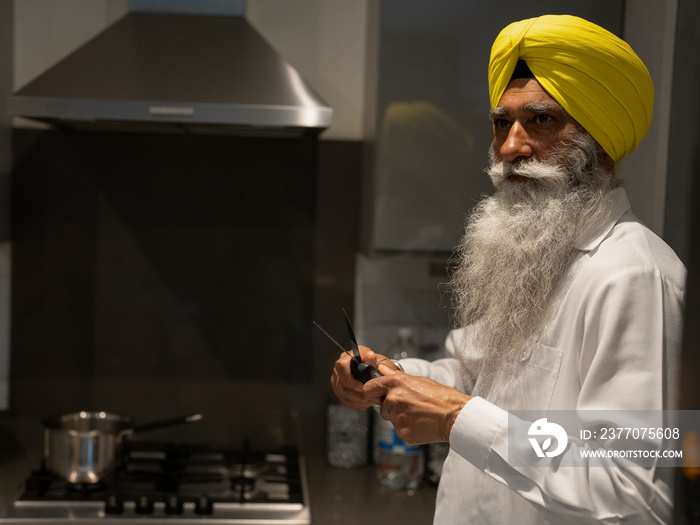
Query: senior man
564,300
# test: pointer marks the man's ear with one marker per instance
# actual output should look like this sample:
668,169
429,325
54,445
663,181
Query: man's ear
606,161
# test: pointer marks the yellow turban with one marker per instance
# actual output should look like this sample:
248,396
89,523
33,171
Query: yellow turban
596,77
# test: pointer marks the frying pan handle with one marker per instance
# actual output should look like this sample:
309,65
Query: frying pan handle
155,425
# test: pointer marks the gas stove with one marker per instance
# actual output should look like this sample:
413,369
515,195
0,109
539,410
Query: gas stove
159,483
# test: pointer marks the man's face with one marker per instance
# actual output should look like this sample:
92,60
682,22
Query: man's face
552,190
529,123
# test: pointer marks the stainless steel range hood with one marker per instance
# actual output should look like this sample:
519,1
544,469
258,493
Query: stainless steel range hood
166,71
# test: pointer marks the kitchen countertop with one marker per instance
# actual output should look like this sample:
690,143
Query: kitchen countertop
352,496
338,496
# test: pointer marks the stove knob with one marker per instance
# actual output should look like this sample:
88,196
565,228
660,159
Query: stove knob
114,505
173,505
203,505
144,505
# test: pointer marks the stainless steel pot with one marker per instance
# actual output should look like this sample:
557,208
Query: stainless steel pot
85,446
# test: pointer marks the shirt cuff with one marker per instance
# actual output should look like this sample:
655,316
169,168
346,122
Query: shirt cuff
475,429
412,366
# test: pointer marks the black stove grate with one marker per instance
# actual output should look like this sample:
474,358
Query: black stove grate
174,475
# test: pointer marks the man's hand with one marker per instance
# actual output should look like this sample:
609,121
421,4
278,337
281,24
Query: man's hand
421,410
347,388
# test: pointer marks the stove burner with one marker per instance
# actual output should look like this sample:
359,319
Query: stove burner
183,482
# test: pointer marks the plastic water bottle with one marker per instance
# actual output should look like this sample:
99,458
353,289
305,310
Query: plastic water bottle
398,465
403,346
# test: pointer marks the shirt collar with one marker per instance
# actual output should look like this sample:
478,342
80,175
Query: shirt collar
620,206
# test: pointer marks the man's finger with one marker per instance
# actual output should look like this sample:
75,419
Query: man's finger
386,371
377,388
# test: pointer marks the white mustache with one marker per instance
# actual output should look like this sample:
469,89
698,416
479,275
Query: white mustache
501,171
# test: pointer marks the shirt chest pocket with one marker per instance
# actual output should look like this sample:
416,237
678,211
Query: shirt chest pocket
533,385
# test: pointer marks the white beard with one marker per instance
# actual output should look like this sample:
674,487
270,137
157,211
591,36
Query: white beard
517,246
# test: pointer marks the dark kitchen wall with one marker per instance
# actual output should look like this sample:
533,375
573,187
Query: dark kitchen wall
159,274
6,68
684,133
683,226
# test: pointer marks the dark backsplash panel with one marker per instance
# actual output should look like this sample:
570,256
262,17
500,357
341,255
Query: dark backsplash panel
163,256
155,276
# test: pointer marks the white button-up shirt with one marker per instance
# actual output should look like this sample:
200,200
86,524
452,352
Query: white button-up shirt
613,344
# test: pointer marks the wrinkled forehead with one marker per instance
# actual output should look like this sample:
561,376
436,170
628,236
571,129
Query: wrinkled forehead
527,91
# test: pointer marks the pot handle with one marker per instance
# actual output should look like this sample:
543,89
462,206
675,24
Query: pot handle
155,425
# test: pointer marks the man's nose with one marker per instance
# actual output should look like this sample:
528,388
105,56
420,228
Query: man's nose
517,144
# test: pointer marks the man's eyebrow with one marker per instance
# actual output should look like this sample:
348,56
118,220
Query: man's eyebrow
497,112
535,108
539,107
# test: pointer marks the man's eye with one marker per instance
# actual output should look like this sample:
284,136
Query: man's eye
543,119
501,123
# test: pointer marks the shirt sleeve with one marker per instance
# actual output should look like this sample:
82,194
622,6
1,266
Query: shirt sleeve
631,326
